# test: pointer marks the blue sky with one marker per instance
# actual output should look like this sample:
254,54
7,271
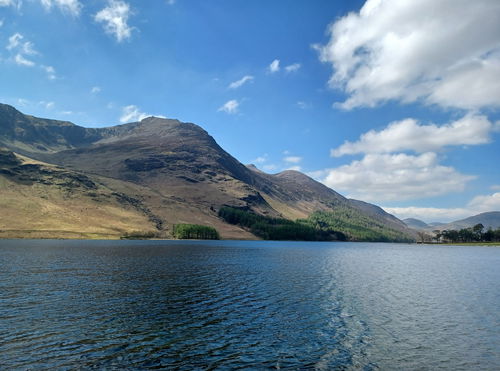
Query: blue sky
395,103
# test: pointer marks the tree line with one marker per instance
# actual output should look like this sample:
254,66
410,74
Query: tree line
269,228
476,233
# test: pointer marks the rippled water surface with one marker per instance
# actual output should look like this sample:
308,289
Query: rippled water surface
254,305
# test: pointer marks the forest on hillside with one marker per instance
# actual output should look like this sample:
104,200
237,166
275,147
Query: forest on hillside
269,228
356,226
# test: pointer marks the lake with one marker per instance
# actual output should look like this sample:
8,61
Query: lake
247,304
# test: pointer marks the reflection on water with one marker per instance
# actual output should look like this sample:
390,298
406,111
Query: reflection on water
229,304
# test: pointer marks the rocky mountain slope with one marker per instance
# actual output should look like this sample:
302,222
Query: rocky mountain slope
146,175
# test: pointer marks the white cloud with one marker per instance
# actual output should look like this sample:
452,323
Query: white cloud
170,2
260,159
292,68
1,22
230,107
495,187
23,102
292,159
429,214
409,134
21,49
14,3
22,61
51,72
484,203
132,113
72,7
295,167
115,17
443,52
274,66
390,177
240,82
479,204
47,105
16,43
95,89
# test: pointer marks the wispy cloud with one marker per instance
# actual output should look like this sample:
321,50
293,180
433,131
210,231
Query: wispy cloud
115,17
274,66
50,71
303,105
16,43
240,82
7,3
22,61
132,113
292,159
47,105
95,89
230,107
261,159
292,68
21,49
71,7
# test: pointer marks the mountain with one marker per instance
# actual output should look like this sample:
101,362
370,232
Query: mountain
488,220
435,224
416,223
61,179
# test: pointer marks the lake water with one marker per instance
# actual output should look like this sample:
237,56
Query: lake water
254,305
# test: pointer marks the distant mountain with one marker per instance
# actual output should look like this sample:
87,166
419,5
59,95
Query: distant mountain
435,224
415,223
147,176
488,220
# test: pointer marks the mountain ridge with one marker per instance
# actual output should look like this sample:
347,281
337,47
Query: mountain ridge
177,170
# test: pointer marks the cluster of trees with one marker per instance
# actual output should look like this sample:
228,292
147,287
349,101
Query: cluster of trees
473,234
269,228
139,235
195,231
356,226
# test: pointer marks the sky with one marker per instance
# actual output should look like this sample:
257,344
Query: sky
392,102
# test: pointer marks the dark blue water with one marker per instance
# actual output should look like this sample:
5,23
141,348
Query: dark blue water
253,305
